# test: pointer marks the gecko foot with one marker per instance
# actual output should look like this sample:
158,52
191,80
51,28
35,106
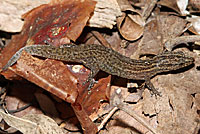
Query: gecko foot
155,92
91,85
152,89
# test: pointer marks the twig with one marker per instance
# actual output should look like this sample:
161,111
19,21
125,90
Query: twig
148,9
107,118
101,39
170,44
19,109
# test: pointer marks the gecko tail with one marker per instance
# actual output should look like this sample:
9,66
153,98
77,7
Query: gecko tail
13,59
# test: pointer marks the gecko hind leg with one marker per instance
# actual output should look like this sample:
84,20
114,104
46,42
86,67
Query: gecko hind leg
151,87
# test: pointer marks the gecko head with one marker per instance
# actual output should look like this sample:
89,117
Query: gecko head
169,61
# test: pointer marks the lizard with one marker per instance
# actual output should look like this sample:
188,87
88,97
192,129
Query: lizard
98,57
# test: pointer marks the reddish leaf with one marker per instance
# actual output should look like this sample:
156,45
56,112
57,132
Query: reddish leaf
49,74
88,126
59,20
91,100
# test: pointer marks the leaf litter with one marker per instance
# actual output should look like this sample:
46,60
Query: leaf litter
133,29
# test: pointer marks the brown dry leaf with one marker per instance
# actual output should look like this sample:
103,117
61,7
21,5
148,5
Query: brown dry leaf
86,123
105,14
151,41
170,26
11,11
88,103
130,26
175,110
32,124
175,5
59,21
194,6
158,31
47,105
21,95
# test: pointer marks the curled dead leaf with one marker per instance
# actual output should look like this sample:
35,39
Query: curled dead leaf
131,26
177,5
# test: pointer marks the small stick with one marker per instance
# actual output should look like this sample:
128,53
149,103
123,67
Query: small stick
170,44
107,118
19,109
148,9
101,39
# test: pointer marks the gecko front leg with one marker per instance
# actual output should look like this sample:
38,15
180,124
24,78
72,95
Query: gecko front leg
93,71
